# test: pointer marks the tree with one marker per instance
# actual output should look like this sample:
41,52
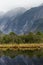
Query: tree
5,39
39,33
12,33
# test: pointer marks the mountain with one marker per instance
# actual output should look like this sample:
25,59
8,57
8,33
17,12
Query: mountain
21,60
37,25
28,19
1,14
7,20
22,21
15,12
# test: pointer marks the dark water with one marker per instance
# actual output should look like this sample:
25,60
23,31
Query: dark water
21,60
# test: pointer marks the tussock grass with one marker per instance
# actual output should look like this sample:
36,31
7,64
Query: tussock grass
22,46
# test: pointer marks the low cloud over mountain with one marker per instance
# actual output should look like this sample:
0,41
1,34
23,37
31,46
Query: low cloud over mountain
22,21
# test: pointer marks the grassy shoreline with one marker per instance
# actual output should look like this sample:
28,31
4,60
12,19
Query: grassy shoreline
13,50
32,46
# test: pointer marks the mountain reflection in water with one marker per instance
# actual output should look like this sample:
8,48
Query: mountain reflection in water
21,60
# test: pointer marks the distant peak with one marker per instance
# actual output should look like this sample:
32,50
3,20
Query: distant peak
41,4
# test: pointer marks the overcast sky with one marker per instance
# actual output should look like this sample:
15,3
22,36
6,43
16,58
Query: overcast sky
6,5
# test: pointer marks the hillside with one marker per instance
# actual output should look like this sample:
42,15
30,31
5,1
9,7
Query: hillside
21,21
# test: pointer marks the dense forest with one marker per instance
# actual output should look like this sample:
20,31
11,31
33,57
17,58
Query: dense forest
23,38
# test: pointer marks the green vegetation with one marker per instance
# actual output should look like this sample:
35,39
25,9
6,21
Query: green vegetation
22,46
25,38
13,53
